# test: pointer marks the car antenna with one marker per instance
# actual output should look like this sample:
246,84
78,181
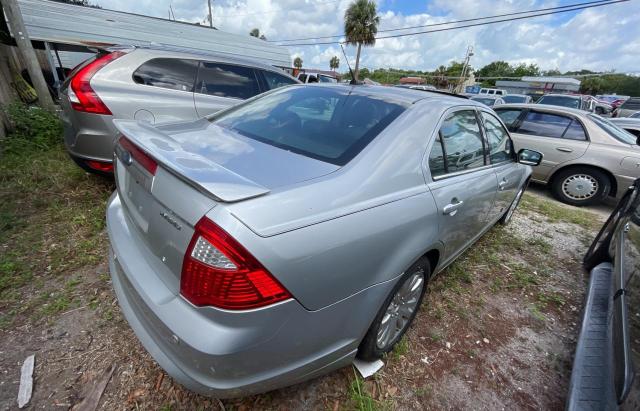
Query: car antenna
353,77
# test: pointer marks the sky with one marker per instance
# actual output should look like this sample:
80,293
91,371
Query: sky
599,39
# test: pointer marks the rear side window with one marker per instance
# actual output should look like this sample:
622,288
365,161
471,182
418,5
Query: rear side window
174,74
460,142
226,80
275,80
328,124
509,117
551,125
436,158
500,146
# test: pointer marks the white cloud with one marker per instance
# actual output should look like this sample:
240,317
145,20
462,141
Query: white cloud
597,39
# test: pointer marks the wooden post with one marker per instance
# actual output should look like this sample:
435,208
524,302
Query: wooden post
21,36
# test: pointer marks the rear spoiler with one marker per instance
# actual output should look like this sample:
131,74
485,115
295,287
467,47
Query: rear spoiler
196,170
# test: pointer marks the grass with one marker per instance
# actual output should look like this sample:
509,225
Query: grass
557,213
51,222
361,399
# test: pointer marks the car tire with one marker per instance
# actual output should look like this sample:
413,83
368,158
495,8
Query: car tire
377,342
506,217
581,186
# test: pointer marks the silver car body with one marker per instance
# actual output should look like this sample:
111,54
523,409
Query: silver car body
90,136
488,100
618,159
336,237
631,124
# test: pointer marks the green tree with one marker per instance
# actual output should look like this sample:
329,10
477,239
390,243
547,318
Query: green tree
334,63
522,70
592,85
361,26
496,69
297,62
256,33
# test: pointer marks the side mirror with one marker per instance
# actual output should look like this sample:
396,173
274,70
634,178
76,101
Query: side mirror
529,157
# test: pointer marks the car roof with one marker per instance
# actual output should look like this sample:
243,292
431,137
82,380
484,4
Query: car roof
197,54
493,96
402,94
546,107
563,95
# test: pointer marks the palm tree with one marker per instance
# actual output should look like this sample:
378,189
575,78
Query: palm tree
256,33
361,26
334,63
297,63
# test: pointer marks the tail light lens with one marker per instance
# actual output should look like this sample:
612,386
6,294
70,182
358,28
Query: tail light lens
81,95
220,272
142,158
100,166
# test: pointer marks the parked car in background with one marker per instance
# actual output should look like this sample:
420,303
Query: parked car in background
635,115
492,92
316,78
488,100
613,99
154,85
617,103
603,369
628,108
586,157
516,98
630,124
600,107
242,256
576,101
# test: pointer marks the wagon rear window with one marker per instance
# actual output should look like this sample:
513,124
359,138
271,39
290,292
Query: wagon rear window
331,124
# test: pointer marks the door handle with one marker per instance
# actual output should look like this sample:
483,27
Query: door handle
452,209
564,149
502,184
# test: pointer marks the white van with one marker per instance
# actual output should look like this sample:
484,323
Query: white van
493,91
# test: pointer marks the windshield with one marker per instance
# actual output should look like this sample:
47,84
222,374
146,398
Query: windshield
613,130
488,101
563,101
514,99
331,124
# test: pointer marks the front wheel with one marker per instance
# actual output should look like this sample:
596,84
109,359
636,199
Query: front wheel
581,186
397,312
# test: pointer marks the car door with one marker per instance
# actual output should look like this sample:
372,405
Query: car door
163,91
222,85
502,157
560,138
462,183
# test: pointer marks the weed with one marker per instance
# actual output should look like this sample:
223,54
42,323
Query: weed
401,348
361,399
555,212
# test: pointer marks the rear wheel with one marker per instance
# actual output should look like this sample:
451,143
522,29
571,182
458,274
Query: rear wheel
397,312
581,186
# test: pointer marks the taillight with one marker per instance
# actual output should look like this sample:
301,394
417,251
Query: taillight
100,166
142,158
81,96
219,271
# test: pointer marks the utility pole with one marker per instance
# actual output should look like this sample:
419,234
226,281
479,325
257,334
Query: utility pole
465,66
19,32
210,16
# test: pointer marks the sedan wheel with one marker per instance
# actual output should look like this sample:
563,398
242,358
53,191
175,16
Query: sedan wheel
581,185
400,311
397,312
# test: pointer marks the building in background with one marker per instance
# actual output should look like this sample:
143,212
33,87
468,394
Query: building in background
537,86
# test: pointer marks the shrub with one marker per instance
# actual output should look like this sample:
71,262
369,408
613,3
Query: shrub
33,129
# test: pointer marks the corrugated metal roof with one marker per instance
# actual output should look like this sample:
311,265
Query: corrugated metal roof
557,80
70,24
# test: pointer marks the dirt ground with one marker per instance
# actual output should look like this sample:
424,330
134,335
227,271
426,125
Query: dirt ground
497,330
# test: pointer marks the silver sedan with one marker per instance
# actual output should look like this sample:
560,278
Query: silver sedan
277,240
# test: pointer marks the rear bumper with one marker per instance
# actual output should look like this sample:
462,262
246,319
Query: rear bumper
229,354
88,136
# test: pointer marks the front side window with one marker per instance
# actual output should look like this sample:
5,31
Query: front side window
226,80
174,74
500,145
509,116
461,142
544,124
327,124
275,80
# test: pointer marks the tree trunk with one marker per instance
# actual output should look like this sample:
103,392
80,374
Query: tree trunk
355,74
21,36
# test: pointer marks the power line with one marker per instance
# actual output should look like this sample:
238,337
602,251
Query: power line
468,25
452,21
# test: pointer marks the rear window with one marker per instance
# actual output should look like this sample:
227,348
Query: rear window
327,124
562,101
613,130
515,99
227,80
174,74
631,104
486,101
275,80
